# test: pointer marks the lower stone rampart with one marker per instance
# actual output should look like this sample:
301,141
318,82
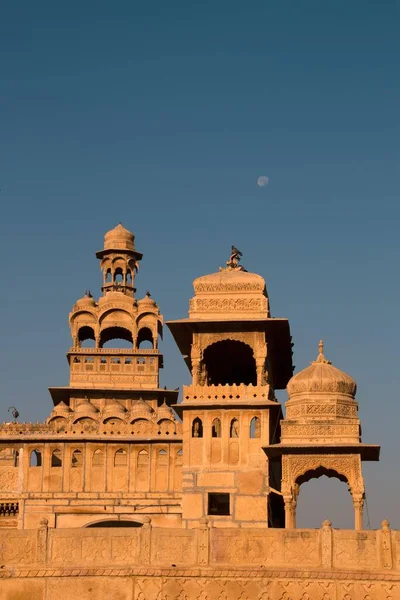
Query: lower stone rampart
205,563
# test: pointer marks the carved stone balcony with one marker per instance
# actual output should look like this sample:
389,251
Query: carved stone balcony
122,368
228,394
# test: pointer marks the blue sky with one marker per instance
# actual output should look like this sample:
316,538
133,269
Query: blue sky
163,115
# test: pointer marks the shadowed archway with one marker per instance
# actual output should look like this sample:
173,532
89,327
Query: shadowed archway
230,362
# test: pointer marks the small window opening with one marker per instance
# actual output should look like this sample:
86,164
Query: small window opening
255,428
216,428
35,459
141,361
197,428
77,459
56,459
218,504
234,429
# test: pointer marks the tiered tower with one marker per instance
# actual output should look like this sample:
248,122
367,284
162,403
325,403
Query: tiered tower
321,435
238,355
111,378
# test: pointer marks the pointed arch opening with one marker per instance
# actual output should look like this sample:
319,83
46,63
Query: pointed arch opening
35,459
56,458
216,428
197,428
255,428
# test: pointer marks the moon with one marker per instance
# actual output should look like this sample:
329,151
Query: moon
262,181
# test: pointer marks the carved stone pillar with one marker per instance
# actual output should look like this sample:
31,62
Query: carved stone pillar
326,544
358,502
290,512
145,541
203,542
196,371
41,544
386,545
260,366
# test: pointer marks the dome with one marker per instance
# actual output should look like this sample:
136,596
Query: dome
119,238
165,412
86,407
230,293
321,377
141,408
229,280
87,300
147,302
113,407
61,410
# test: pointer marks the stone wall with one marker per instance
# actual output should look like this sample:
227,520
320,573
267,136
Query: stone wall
201,564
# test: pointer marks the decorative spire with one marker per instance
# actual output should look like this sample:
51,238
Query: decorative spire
321,358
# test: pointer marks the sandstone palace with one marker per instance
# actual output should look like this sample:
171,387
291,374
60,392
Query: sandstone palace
124,493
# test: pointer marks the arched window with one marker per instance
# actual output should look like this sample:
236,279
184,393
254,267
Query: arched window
197,428
56,458
255,427
120,458
118,276
116,337
216,428
334,503
143,458
86,336
108,276
234,429
145,338
35,459
98,458
229,362
77,459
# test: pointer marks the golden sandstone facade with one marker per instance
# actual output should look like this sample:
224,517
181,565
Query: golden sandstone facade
124,493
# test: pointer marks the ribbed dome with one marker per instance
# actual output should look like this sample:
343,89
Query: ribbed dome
113,407
229,280
119,238
165,412
61,410
141,408
87,300
147,302
321,377
86,407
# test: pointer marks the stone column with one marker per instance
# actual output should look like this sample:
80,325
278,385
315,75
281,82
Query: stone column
290,512
260,366
358,502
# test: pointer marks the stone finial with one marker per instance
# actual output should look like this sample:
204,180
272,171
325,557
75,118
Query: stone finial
43,523
146,522
326,524
385,524
321,358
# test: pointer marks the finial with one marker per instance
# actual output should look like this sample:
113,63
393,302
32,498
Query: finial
148,294
321,358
